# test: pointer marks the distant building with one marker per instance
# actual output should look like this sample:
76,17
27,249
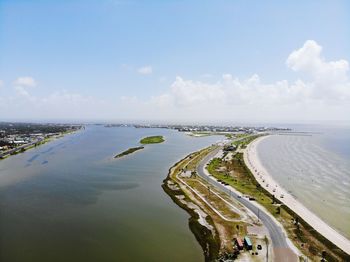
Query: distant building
18,142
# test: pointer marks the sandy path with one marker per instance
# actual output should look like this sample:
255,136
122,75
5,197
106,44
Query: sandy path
252,160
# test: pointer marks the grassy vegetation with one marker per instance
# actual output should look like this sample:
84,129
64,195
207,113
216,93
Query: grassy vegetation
236,174
210,243
214,246
152,140
213,199
309,241
244,142
129,151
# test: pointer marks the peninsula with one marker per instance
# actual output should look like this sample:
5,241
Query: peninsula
220,187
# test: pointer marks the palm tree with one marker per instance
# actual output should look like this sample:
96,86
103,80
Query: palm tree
193,174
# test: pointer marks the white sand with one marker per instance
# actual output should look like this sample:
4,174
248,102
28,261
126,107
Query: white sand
252,160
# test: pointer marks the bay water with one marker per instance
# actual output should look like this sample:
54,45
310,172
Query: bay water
69,200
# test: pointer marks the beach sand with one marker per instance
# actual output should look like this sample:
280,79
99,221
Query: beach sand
265,179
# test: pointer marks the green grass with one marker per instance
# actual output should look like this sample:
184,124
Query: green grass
129,151
152,140
244,142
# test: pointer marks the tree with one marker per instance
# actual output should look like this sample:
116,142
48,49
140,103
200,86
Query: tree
193,174
296,220
278,210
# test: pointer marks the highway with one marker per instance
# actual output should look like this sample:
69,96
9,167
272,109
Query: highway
13,150
276,232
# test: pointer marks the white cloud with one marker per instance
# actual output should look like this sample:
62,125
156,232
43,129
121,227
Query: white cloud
308,59
25,81
145,70
328,79
326,90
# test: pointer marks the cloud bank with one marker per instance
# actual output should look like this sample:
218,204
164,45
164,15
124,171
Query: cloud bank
328,83
321,91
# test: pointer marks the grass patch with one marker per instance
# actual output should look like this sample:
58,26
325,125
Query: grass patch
245,141
152,140
129,151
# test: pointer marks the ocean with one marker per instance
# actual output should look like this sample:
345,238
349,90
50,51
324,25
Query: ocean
315,168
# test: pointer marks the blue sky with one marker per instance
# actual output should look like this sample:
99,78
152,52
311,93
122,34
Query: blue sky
94,52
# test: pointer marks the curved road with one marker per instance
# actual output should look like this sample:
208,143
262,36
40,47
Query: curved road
277,234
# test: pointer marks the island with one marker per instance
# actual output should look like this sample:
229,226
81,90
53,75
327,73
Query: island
152,140
129,151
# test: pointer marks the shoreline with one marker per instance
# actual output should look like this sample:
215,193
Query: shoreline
260,173
208,240
39,143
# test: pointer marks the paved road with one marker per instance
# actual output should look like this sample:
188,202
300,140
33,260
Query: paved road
277,235
19,148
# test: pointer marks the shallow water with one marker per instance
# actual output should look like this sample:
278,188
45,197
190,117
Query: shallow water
69,200
315,169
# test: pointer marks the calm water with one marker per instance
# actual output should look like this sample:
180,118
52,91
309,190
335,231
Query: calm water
69,200
315,169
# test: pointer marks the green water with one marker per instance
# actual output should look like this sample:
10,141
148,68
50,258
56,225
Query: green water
69,200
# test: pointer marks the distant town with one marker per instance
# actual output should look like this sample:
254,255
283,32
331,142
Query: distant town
207,128
18,137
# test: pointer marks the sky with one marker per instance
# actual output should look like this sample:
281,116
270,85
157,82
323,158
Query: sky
175,61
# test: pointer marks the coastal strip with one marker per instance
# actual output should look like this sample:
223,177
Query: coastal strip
201,225
38,142
220,217
268,183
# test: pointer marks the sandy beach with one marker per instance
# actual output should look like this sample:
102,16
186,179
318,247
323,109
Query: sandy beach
265,179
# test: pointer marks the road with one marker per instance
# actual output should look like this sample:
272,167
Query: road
11,151
276,232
